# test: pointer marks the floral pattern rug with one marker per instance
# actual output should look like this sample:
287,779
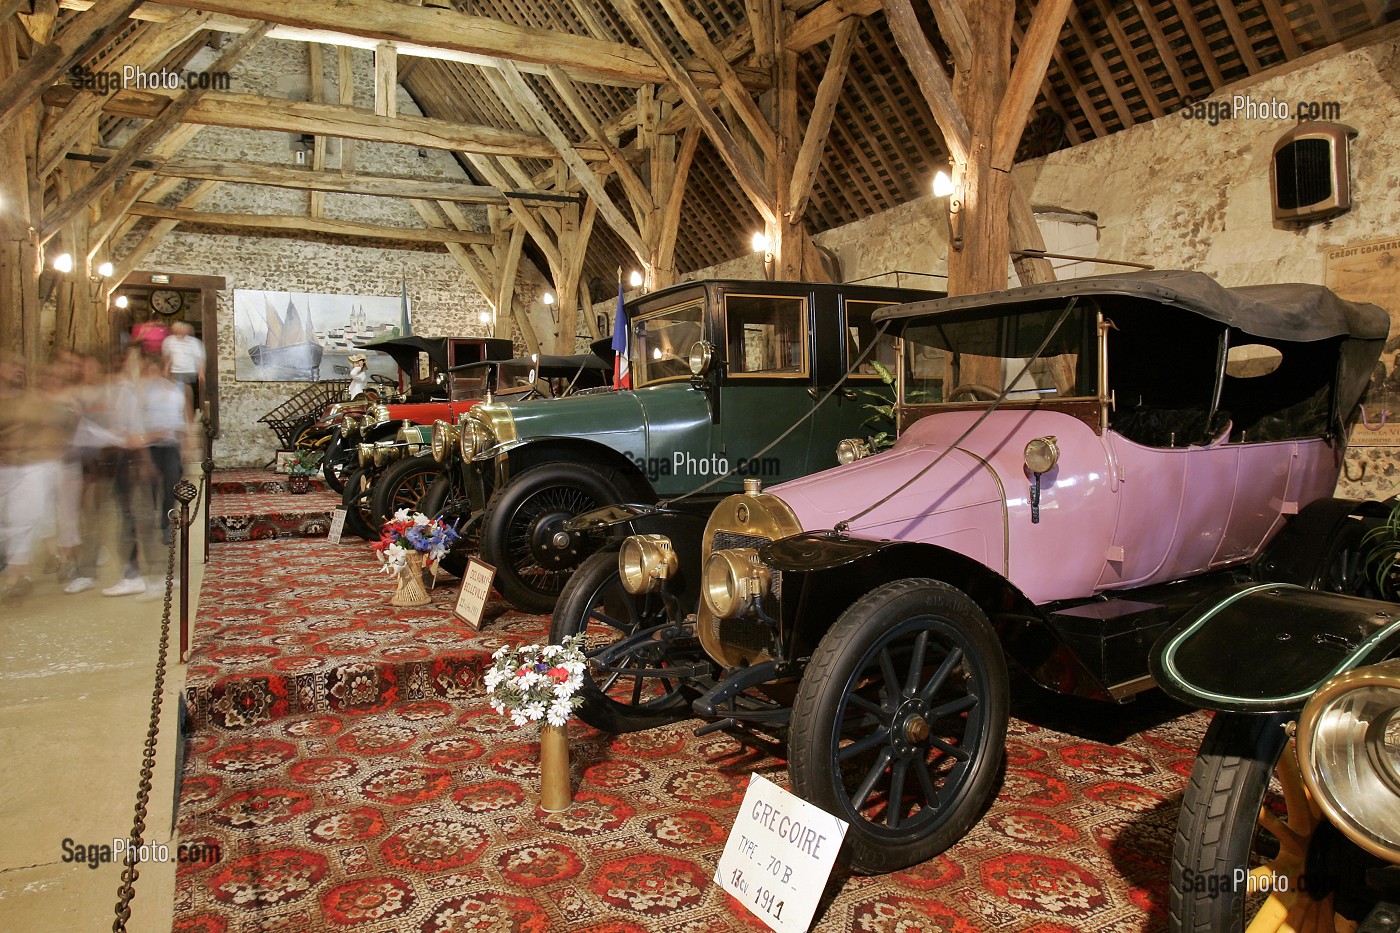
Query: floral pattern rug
261,514
254,480
346,763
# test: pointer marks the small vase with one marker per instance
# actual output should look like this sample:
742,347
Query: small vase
410,591
556,795
298,483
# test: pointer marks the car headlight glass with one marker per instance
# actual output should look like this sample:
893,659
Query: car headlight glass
366,454
350,427
731,577
475,438
851,449
1349,754
444,439
377,413
644,561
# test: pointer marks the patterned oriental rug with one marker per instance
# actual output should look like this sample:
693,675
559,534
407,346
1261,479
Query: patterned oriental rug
345,762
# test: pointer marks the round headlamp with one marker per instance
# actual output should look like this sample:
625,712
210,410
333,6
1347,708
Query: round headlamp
444,439
350,427
475,438
1349,754
386,452
365,454
852,449
731,578
377,413
644,561
1042,454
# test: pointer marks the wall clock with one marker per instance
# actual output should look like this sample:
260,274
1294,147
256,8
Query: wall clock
167,301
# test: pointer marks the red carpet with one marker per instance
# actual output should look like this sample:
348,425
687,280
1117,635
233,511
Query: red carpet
252,505
346,763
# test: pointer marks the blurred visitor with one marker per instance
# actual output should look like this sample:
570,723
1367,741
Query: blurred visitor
150,336
33,433
184,358
95,449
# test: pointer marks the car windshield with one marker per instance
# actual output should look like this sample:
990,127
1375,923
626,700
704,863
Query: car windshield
514,376
956,360
661,343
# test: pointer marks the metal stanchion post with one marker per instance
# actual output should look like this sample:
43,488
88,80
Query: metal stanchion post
207,417
185,493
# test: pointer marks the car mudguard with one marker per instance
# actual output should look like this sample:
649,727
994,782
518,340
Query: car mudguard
1266,647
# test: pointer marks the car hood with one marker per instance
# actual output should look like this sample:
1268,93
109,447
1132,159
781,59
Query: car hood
953,496
609,418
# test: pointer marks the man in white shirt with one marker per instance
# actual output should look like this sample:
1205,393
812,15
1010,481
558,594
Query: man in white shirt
184,358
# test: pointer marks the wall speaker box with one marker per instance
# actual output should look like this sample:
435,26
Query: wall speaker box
1310,173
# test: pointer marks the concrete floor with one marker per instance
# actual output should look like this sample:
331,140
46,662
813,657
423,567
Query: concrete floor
76,677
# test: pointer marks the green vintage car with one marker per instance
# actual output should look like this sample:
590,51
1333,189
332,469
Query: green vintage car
727,377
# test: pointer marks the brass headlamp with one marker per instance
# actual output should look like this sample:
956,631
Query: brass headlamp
732,577
644,561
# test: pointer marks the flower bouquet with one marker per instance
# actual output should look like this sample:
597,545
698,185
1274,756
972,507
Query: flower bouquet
301,466
541,684
411,540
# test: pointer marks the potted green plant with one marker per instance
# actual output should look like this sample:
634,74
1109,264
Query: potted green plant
302,465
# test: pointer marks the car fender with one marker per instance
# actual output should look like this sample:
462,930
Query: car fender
1266,647
823,574
515,457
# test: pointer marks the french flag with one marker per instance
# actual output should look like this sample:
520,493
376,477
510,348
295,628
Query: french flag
622,375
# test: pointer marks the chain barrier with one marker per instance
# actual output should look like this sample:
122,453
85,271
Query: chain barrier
126,891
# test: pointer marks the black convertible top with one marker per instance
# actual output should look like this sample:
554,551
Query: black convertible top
1283,312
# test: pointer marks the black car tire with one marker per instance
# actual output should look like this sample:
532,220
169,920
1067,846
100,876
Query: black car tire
528,510
339,462
402,485
359,488
595,604
938,647
1217,828
440,501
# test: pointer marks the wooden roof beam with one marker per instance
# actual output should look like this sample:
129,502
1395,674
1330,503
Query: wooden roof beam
804,170
699,41
590,182
382,186
290,224
1027,73
433,31
753,184
80,37
929,74
146,137
249,111
821,23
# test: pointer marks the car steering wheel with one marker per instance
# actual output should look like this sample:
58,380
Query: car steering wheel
377,379
975,392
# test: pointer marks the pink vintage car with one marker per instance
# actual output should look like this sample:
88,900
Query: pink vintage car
1077,465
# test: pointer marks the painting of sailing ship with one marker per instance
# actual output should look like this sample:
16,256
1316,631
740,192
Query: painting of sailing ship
304,337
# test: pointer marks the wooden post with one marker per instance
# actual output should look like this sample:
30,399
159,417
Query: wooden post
19,245
984,193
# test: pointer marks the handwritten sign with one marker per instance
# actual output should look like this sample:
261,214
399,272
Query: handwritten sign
337,526
476,587
779,855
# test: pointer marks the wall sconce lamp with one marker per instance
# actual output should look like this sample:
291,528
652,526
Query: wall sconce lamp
943,187
122,301
485,317
548,300
635,279
104,272
761,244
63,262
